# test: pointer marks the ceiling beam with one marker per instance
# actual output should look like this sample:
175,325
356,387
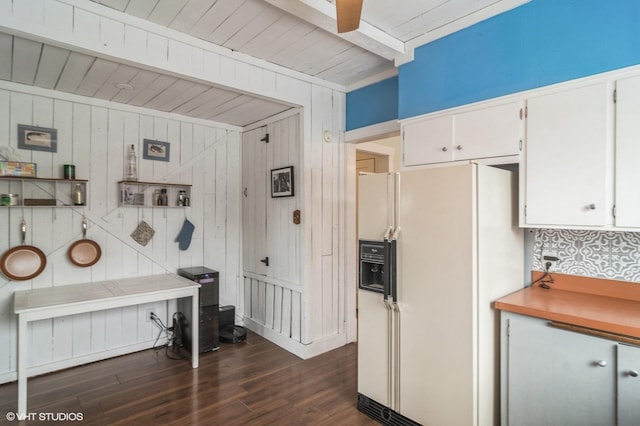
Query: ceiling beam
322,14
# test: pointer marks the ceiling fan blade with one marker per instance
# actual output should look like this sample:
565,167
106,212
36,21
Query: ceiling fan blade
348,15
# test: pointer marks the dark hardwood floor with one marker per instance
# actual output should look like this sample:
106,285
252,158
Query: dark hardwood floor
250,383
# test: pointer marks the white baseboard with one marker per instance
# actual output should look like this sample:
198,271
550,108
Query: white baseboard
12,376
303,351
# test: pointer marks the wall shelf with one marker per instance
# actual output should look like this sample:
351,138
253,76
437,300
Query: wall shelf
147,194
41,192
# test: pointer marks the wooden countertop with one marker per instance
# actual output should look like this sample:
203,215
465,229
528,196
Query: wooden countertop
604,305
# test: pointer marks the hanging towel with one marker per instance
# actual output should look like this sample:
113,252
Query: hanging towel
143,233
184,236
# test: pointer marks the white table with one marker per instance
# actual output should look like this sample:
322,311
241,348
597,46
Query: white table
33,305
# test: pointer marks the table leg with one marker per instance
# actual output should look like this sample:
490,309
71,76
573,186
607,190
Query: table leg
22,364
195,329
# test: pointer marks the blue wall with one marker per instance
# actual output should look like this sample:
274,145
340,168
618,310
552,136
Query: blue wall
540,43
373,104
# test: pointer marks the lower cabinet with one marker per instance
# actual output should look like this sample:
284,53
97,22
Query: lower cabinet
552,376
628,385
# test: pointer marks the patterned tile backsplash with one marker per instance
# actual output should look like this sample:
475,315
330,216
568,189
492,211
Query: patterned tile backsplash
599,254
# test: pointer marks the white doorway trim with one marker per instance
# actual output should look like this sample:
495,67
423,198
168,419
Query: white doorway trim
373,132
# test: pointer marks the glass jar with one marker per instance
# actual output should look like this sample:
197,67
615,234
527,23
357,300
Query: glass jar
78,195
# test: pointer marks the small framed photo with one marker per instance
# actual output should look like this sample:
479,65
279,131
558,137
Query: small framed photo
282,182
155,150
37,138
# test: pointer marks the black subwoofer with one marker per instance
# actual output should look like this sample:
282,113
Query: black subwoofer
208,313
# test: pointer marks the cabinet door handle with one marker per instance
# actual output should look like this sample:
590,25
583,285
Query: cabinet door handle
444,149
592,206
459,147
601,363
633,373
265,261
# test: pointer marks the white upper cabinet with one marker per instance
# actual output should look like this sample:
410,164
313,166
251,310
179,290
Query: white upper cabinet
486,132
427,141
627,193
580,146
494,131
566,158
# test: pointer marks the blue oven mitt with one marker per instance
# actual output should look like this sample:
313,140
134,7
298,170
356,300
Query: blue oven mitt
184,236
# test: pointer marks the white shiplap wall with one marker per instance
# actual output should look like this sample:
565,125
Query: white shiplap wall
327,249
93,135
327,253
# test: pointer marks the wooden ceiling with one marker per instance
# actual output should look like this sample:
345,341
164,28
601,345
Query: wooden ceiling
301,34
297,34
37,64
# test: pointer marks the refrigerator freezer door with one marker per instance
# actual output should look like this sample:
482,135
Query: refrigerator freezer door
373,348
375,211
375,219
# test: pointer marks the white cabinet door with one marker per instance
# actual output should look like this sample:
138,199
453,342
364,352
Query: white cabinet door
566,157
427,141
628,385
494,131
557,377
627,194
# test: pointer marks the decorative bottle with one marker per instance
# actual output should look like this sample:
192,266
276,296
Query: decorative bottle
78,195
131,170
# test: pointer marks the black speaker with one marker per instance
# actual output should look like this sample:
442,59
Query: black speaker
227,316
208,313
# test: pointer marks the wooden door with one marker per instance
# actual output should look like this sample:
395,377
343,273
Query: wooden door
254,206
268,227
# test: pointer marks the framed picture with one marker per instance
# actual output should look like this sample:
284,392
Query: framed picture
37,138
155,150
282,182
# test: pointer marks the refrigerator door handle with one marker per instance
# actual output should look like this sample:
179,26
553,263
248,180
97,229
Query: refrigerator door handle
393,266
387,234
394,340
386,273
391,388
396,203
395,344
395,234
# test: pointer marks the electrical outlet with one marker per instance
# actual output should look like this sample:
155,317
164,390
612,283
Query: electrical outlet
148,313
550,258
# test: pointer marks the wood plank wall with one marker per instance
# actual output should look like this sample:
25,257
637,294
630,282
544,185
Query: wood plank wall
94,135
327,253
301,300
327,249
272,294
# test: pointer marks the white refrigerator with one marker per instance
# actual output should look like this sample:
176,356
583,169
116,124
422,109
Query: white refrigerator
427,352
